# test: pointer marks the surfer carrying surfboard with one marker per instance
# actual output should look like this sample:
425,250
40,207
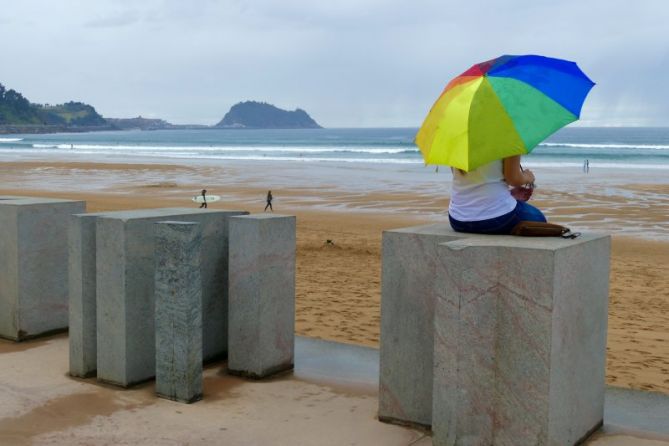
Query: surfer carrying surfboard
203,199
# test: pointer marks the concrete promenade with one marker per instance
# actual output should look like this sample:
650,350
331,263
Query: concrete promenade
331,398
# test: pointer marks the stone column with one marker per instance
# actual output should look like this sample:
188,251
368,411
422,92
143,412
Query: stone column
261,295
33,265
81,276
410,266
178,319
520,340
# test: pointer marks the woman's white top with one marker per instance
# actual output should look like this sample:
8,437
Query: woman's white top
480,194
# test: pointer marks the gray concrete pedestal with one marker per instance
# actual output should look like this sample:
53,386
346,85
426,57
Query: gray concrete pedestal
82,284
410,266
262,295
178,318
125,262
520,340
33,265
493,340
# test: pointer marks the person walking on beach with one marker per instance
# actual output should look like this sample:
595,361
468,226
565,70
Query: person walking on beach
269,201
482,203
204,199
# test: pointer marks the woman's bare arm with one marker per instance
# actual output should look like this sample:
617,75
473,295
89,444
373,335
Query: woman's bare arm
514,175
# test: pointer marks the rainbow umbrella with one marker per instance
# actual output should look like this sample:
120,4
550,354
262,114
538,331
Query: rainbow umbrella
500,108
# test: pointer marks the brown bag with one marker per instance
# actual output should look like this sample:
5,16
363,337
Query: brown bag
540,229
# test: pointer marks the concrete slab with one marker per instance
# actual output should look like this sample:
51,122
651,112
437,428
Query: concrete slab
330,399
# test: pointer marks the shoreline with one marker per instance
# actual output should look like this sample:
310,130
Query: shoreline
635,204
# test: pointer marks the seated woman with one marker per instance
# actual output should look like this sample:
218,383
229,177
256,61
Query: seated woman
482,203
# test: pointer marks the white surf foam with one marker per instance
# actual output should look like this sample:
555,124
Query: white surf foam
606,146
268,149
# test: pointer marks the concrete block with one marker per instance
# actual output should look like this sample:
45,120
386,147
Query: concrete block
410,266
262,295
33,265
178,319
125,289
520,340
83,326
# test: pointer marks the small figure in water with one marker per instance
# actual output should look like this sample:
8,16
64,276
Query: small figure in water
269,201
204,198
587,166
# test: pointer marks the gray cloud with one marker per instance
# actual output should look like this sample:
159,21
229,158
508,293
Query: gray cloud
124,18
348,63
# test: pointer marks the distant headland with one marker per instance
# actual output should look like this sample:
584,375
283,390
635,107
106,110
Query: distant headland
261,115
19,115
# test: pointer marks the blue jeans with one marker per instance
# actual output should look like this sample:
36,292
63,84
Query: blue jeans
502,224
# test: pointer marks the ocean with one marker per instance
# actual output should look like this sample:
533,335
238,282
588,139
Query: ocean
611,148
350,170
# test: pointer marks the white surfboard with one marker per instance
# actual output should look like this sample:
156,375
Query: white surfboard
209,198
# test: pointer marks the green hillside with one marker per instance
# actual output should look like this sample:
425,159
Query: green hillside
16,110
72,114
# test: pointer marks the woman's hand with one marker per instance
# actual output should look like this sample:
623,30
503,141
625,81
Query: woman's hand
529,176
514,175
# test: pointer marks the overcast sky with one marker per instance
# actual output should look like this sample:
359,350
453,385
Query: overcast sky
348,63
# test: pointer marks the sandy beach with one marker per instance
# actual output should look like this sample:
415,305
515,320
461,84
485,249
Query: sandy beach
338,283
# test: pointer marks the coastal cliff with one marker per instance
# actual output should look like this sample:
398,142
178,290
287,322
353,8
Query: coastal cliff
261,115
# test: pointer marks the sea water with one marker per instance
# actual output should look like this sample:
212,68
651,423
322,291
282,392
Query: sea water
611,148
356,170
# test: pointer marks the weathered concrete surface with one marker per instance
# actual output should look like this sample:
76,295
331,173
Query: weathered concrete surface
520,340
178,311
330,400
638,410
81,276
262,294
125,289
33,265
410,265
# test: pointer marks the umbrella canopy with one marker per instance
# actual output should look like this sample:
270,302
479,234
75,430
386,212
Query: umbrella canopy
501,108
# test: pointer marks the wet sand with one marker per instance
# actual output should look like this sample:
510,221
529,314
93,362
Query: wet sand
338,284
